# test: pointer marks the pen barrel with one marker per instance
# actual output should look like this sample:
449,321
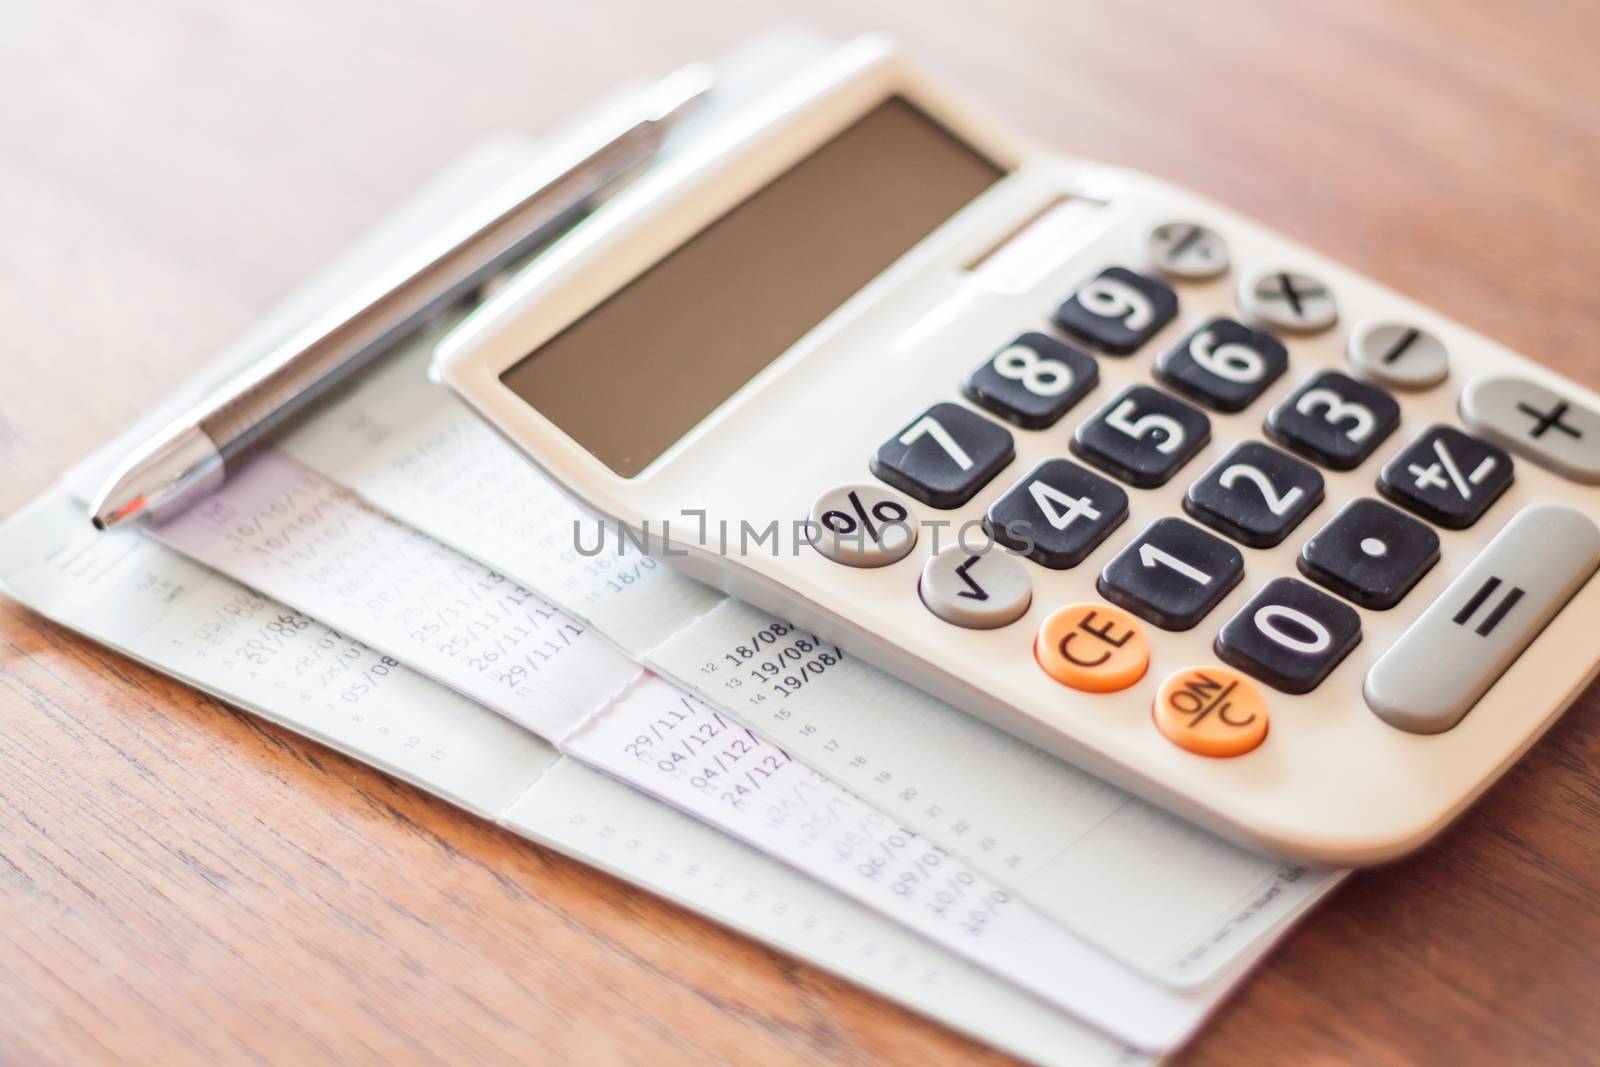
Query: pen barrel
283,391
252,416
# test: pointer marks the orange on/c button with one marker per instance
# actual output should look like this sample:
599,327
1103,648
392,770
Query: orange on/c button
1092,647
1211,711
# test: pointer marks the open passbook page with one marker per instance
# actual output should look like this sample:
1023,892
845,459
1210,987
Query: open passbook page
151,603
283,530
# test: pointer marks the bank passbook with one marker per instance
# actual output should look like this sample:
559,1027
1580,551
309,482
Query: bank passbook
1088,456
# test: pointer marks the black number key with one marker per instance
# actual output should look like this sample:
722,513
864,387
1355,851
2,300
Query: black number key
1143,436
1255,494
1447,477
1033,381
1172,574
1370,554
944,457
1117,311
1334,420
1057,514
1224,364
1290,635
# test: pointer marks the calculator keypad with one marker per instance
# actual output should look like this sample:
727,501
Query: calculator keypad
1142,436
1255,494
1172,574
1033,381
1290,635
1224,364
1447,477
944,456
1057,514
1118,310
1370,554
1334,420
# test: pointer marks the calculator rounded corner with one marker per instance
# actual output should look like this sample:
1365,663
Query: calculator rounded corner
1341,850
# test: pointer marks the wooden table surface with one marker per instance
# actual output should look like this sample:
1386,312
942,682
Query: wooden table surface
182,884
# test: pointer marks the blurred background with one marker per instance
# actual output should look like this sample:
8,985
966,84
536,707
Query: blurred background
233,147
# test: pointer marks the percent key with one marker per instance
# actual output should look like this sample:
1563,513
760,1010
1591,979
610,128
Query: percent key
862,526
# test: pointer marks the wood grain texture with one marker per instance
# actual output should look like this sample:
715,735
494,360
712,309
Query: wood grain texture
182,884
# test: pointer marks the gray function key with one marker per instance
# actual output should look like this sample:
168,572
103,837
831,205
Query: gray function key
1187,250
1288,300
1525,417
1398,355
863,526
1432,676
978,590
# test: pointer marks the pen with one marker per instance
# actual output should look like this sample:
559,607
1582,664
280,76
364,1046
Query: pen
190,458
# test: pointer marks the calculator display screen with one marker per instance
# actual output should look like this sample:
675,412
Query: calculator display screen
643,368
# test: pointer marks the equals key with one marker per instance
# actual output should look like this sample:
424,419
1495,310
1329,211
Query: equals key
1439,668
1496,613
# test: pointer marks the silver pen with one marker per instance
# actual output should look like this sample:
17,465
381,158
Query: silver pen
191,457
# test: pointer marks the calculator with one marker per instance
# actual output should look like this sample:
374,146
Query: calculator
1092,458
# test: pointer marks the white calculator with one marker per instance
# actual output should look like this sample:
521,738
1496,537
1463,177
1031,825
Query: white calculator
1079,452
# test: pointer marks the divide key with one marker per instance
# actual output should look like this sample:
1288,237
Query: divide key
1439,668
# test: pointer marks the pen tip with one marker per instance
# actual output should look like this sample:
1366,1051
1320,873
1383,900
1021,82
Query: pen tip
160,479
104,516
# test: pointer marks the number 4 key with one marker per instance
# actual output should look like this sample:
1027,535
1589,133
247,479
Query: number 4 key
1057,514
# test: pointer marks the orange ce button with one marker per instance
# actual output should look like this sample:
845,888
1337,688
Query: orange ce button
1092,647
